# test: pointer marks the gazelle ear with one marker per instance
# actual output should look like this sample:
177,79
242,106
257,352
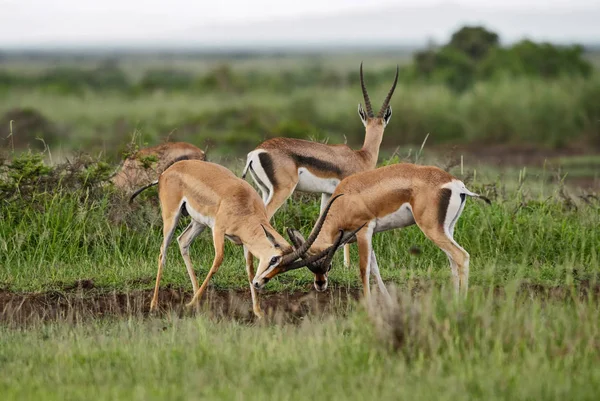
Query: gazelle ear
295,237
387,115
362,114
270,238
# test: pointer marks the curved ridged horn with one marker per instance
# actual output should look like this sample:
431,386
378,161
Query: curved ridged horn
326,254
386,102
365,94
290,257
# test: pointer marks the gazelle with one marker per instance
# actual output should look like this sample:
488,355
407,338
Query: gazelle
214,197
390,197
147,164
279,166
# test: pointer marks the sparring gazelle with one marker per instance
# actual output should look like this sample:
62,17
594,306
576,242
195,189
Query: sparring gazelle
390,197
214,197
279,166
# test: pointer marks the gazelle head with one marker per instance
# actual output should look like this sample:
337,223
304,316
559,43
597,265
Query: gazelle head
320,264
283,260
368,118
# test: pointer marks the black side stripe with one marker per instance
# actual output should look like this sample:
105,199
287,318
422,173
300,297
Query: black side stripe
445,195
318,164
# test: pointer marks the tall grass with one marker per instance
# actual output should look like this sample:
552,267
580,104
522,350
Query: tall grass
57,234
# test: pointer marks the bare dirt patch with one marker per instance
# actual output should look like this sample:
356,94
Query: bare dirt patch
19,309
24,309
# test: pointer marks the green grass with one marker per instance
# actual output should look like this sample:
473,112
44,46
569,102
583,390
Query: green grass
492,347
551,114
511,339
534,232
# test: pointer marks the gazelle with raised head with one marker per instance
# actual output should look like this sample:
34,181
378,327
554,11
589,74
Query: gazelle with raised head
279,166
214,197
390,197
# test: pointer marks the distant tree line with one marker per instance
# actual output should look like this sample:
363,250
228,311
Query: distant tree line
472,54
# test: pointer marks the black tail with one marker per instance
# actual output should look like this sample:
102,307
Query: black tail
139,191
248,166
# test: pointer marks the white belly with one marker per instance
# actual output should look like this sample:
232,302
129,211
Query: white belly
194,214
308,182
402,217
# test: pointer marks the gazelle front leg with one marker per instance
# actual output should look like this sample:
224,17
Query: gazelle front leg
363,239
169,226
376,273
219,243
324,200
250,270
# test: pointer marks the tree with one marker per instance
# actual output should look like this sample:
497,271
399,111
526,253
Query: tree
474,41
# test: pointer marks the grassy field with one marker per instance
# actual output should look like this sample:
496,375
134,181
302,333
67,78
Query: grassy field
532,306
77,262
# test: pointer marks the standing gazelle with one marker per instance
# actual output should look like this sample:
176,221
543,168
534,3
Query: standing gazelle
214,197
279,166
391,197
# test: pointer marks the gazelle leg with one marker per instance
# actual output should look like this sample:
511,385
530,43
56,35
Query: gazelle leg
439,229
250,270
278,197
184,240
463,272
347,255
169,226
219,243
363,239
377,275
324,200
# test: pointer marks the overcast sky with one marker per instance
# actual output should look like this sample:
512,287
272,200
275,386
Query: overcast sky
56,22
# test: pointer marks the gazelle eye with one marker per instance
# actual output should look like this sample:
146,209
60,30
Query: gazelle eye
274,260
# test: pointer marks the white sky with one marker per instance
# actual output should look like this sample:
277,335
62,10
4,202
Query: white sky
30,22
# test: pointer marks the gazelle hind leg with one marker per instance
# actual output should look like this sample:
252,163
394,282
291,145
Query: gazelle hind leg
185,240
250,270
463,272
219,243
439,228
169,226
278,197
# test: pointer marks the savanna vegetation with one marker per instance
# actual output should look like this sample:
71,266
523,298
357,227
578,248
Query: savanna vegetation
77,261
469,91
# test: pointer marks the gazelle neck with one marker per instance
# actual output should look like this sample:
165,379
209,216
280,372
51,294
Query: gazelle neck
373,138
256,241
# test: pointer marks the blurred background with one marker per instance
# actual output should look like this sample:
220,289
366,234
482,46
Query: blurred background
501,82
